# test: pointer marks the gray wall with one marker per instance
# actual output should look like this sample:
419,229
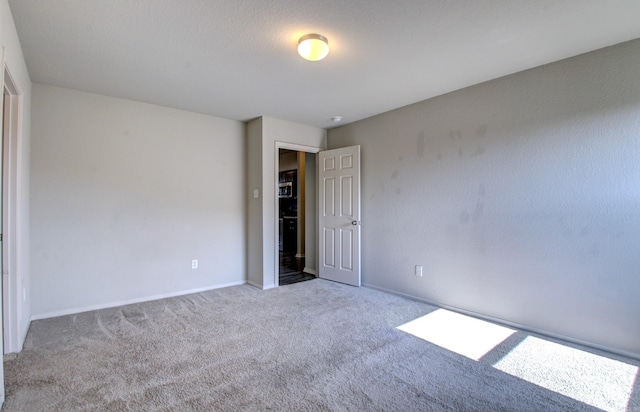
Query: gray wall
255,223
288,160
125,195
520,196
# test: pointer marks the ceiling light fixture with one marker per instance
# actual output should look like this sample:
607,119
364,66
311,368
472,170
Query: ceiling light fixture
313,47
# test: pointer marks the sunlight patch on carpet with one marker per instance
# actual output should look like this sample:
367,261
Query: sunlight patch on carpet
458,333
595,380
589,378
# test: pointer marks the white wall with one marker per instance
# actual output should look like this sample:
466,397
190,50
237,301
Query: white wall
520,197
16,66
125,195
263,135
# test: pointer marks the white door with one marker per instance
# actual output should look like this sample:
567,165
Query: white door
339,215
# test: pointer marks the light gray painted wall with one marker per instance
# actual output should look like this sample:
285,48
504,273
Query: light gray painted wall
288,161
16,65
255,259
520,196
125,195
263,134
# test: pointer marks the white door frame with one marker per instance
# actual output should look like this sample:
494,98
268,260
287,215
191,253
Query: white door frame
2,53
276,176
12,299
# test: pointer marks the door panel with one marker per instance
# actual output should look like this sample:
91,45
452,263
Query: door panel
339,218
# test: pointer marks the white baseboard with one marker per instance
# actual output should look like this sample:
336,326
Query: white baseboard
310,271
508,323
254,284
260,286
73,311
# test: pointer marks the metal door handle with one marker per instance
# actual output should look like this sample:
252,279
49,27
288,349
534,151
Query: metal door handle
355,222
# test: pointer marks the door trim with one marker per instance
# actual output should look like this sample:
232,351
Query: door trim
298,148
12,298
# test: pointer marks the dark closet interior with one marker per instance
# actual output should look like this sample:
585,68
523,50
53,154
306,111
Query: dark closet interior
291,252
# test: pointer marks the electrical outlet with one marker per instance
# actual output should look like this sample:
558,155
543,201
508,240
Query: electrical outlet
194,264
419,271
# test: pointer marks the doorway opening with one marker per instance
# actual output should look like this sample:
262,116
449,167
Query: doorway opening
296,216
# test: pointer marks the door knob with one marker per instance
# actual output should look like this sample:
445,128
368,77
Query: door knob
355,222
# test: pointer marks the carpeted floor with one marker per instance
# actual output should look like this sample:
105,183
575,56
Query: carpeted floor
315,346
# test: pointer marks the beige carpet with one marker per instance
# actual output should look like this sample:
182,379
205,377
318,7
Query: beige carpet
313,346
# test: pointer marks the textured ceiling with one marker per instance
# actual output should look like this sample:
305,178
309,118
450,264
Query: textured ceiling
237,59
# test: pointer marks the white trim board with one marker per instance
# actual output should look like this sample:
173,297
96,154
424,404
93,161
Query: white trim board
14,292
259,286
254,284
74,311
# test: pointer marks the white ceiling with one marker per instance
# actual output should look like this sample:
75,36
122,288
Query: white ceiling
237,59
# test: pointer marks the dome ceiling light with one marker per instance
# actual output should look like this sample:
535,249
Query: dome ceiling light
313,47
